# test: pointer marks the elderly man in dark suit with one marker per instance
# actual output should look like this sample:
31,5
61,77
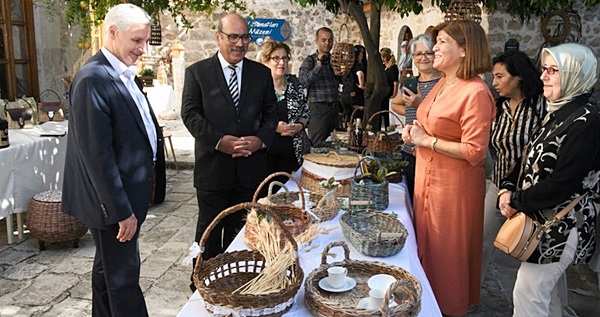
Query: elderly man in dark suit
114,156
228,105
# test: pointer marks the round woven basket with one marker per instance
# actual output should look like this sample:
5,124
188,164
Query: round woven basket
295,219
342,55
217,278
405,292
48,223
374,233
311,181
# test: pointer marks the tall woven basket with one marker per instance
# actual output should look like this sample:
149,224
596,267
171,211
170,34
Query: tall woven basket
217,278
295,219
405,292
342,55
365,190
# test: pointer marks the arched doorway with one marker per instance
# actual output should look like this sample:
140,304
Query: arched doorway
405,34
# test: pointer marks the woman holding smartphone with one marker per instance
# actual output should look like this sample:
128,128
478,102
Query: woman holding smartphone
407,102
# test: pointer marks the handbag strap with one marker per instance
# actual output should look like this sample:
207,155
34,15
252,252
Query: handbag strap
564,211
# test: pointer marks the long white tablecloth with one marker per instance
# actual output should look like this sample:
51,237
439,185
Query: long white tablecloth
31,164
407,259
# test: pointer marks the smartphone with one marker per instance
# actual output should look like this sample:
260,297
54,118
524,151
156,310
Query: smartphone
410,83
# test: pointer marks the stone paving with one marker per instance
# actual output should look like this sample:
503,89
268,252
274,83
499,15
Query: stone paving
56,281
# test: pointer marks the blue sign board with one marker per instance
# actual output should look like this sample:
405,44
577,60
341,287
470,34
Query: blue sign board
276,29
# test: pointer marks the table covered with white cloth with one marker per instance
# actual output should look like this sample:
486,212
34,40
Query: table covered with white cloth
31,164
407,258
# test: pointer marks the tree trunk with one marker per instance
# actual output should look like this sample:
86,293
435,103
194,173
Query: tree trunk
376,86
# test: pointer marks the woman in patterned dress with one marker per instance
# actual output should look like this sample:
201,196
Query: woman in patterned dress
285,154
562,163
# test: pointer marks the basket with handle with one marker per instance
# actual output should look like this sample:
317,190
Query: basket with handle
293,218
374,233
344,136
342,55
217,278
362,189
320,167
50,110
405,292
325,207
381,141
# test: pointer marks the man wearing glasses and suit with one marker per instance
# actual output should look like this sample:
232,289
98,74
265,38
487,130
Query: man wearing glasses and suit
228,105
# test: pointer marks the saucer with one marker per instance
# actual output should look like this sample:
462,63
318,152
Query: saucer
381,281
348,285
364,304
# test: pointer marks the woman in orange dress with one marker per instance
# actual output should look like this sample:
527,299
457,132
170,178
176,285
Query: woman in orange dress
451,135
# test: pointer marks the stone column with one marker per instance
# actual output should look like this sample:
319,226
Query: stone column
178,64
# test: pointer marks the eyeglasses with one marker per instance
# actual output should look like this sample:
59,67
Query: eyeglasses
429,55
549,70
276,59
235,38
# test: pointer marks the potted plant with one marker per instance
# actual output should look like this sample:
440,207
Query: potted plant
147,76
371,186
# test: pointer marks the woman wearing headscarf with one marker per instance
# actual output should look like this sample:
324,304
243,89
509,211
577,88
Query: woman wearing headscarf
520,109
451,135
562,162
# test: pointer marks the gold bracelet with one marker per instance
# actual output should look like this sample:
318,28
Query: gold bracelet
433,144
502,191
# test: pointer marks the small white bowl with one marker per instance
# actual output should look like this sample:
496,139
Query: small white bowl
381,281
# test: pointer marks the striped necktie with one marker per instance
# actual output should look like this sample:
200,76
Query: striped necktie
233,86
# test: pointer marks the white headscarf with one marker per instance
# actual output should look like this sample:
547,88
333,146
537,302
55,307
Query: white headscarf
578,70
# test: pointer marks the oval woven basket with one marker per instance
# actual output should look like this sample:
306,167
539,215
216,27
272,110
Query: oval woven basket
382,141
342,55
326,207
374,233
218,277
295,219
405,292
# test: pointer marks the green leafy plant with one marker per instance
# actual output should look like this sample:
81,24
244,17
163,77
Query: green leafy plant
379,176
147,72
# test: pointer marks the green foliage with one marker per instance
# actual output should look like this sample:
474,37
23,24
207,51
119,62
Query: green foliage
147,72
378,177
78,11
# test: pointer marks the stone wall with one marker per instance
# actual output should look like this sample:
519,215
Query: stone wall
57,44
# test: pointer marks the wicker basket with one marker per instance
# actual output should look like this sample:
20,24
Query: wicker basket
312,181
365,190
381,141
405,292
218,277
374,233
326,207
342,55
295,219
48,223
345,136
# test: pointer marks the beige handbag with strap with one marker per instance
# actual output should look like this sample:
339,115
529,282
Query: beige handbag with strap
520,235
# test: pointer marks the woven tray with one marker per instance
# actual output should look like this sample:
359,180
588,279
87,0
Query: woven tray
406,291
374,233
326,207
295,219
218,277
376,193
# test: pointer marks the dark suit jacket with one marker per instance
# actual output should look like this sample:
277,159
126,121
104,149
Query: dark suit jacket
208,113
109,167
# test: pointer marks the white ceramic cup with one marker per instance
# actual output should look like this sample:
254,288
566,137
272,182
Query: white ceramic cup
337,276
376,298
